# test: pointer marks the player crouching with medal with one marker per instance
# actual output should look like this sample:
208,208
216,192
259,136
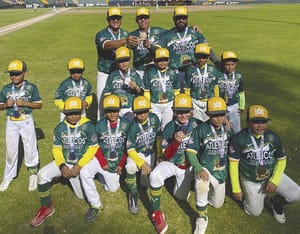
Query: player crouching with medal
256,164
140,144
206,151
110,158
74,145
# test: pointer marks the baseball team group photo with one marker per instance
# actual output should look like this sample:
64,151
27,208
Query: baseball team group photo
150,119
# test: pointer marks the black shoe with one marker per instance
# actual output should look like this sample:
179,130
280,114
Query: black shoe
277,203
133,203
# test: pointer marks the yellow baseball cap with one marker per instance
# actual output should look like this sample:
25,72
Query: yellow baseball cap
162,53
142,11
76,63
202,48
17,66
183,102
257,112
122,53
114,11
180,10
229,55
111,102
72,105
216,105
141,103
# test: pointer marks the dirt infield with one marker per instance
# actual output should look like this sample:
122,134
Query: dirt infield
16,26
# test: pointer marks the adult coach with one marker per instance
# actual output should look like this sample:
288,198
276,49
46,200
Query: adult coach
256,164
182,40
107,41
20,97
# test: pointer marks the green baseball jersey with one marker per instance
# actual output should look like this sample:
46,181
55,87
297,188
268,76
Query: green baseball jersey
76,139
141,55
142,137
73,88
181,45
161,84
28,92
112,141
230,86
117,83
168,138
204,145
250,161
106,57
202,81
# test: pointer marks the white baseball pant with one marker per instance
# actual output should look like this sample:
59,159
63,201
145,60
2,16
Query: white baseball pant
51,170
254,195
14,129
163,111
233,117
165,170
209,192
101,81
199,110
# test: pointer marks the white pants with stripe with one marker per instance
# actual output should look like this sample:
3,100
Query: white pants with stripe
163,111
233,117
199,110
165,170
101,81
254,195
14,129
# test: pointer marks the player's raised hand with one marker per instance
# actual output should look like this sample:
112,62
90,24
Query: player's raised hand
66,172
145,169
75,170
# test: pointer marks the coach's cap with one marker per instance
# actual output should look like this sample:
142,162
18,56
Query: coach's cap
111,102
114,11
17,66
215,106
142,11
257,112
180,10
202,49
229,55
182,102
140,104
76,63
122,54
73,105
162,53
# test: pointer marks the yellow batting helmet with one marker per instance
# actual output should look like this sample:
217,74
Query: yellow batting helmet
111,102
142,11
229,55
122,53
216,105
180,10
72,105
202,48
162,53
17,66
141,103
76,63
257,112
183,102
114,11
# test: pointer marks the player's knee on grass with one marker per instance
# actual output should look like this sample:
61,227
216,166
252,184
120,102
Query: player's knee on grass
254,211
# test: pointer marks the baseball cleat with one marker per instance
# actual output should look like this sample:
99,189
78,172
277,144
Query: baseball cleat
160,224
4,185
201,225
92,214
43,213
133,203
278,211
32,183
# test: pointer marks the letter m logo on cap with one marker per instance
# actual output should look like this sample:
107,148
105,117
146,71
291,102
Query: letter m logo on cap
182,101
217,105
142,103
259,111
111,101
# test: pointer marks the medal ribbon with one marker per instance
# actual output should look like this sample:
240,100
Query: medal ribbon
71,136
163,80
229,89
112,136
202,77
184,35
113,35
126,79
15,96
143,132
77,89
259,150
220,143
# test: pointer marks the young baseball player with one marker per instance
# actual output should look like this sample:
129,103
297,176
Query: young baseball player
202,81
74,86
231,85
256,164
107,41
143,53
175,136
124,82
74,145
19,98
206,151
140,146
110,157
160,86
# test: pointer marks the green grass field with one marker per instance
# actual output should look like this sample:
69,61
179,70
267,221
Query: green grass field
265,39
